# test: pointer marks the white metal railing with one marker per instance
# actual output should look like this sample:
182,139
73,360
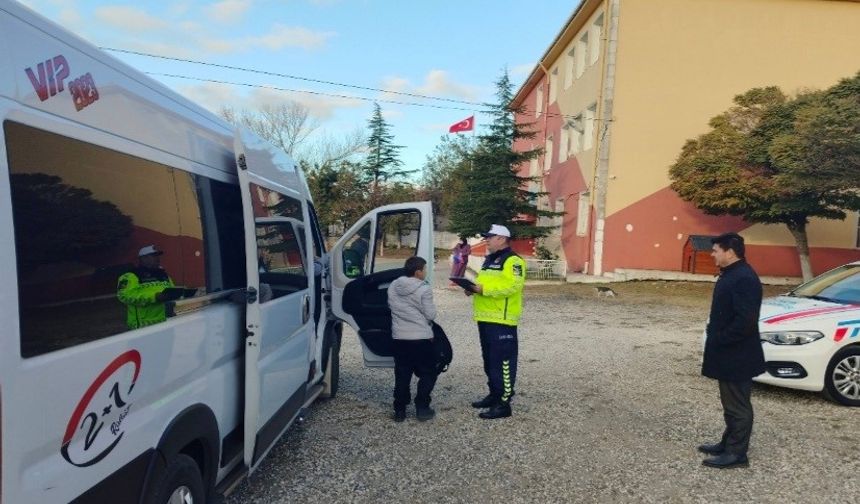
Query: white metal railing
538,269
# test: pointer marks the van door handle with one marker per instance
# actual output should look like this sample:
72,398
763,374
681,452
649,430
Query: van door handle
306,308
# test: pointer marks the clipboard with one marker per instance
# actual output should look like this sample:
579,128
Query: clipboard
463,282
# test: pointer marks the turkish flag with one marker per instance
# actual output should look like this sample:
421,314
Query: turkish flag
467,124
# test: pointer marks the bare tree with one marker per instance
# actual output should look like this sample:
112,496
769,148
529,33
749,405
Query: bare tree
287,125
329,150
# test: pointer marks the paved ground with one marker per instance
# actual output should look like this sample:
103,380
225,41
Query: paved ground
609,407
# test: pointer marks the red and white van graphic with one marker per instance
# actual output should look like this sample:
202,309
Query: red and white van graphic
95,427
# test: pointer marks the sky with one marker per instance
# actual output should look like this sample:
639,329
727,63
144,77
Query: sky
441,48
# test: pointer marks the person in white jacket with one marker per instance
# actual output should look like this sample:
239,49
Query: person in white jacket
410,299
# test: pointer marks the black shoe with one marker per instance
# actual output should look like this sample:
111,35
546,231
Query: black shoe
712,449
484,403
499,410
399,415
726,461
424,414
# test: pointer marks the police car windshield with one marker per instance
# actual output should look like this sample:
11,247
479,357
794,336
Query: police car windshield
841,285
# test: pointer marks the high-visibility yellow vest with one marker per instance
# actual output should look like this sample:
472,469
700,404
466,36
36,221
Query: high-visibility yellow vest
502,278
137,290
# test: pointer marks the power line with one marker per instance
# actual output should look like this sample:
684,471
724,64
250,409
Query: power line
318,93
288,76
319,81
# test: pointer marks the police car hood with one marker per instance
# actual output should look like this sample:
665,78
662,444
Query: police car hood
782,309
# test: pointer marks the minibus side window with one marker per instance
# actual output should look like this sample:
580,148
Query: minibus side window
102,239
280,246
224,234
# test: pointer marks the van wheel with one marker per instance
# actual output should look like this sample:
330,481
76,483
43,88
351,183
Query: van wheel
842,380
332,373
181,483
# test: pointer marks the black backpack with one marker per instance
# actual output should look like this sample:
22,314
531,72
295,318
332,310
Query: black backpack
442,349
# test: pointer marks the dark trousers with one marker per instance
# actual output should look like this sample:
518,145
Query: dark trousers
413,357
499,350
738,413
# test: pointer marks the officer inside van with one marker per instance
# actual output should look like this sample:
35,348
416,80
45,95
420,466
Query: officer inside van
145,289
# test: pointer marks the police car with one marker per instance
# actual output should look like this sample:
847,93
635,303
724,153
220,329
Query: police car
811,336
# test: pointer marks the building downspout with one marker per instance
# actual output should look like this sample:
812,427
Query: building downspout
601,174
545,113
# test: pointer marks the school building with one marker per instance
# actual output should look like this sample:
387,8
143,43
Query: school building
625,83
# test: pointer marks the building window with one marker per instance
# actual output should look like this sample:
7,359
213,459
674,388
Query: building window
559,207
553,85
583,214
596,35
564,144
569,67
539,102
547,158
581,54
533,172
588,127
576,134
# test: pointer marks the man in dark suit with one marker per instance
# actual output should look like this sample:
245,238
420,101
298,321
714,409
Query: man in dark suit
733,353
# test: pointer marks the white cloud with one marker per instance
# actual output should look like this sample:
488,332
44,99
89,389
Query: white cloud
214,96
390,113
436,83
522,71
71,19
291,36
179,8
320,106
161,48
280,37
129,18
228,11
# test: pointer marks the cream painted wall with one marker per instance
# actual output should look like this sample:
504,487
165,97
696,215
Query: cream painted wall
821,233
680,62
583,92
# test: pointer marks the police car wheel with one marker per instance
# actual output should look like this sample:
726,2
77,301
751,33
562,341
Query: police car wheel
181,483
842,380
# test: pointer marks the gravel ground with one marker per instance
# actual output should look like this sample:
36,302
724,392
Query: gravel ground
610,406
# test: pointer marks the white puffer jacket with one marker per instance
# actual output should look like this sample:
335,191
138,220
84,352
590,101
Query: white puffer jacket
412,309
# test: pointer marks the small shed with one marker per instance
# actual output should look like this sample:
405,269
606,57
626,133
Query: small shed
697,256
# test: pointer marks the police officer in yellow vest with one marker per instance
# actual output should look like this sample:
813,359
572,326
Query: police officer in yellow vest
142,290
497,304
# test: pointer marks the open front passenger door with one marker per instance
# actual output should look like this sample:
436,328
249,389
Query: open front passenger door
366,260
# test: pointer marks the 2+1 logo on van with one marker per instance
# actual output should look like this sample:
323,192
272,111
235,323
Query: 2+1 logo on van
95,427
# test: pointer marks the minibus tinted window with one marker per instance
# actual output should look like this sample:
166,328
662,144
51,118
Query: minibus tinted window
100,238
281,258
268,203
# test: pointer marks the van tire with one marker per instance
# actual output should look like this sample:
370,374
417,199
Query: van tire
181,475
332,372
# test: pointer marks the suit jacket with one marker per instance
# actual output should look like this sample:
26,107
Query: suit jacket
733,349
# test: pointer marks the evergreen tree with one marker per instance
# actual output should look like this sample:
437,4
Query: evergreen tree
382,163
493,192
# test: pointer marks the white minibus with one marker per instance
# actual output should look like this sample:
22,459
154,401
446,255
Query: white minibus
168,303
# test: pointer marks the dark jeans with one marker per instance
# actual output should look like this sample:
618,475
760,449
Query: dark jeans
499,348
738,414
413,357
